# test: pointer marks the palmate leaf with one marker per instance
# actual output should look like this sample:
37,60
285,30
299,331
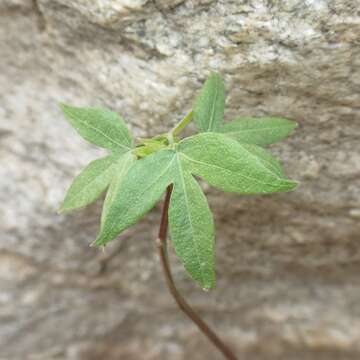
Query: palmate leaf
219,160
91,182
209,106
191,224
100,127
227,156
259,131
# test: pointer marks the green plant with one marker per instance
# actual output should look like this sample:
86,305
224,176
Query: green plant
227,156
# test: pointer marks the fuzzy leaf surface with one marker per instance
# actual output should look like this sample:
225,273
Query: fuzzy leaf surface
99,126
138,192
148,148
89,184
191,226
209,106
120,171
231,166
264,157
259,131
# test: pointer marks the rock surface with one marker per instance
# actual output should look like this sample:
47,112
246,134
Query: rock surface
288,265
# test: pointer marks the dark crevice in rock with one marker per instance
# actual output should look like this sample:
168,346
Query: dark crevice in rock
41,21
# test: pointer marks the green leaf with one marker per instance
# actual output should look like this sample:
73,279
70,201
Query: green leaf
89,185
231,166
99,126
135,191
192,227
209,107
259,131
138,192
265,158
121,171
227,156
148,148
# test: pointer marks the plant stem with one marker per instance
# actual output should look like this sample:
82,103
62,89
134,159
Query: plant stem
182,124
183,305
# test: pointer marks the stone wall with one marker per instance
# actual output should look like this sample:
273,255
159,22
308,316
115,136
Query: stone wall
288,265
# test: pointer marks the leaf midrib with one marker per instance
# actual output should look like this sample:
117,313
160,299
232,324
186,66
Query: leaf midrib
238,173
119,175
253,130
213,105
256,158
190,221
142,193
84,188
97,130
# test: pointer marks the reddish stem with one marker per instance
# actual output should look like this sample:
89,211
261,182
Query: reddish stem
183,305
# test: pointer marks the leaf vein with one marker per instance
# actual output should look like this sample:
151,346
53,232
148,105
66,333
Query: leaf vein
135,203
259,162
99,131
189,217
238,173
213,105
251,130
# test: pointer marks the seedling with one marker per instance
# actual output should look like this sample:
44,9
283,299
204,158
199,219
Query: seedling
228,156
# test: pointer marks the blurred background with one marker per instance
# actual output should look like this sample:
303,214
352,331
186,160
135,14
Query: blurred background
288,265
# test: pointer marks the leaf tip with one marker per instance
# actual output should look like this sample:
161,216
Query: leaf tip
208,287
293,124
62,209
98,242
292,185
214,74
63,106
66,109
66,206
93,244
209,283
